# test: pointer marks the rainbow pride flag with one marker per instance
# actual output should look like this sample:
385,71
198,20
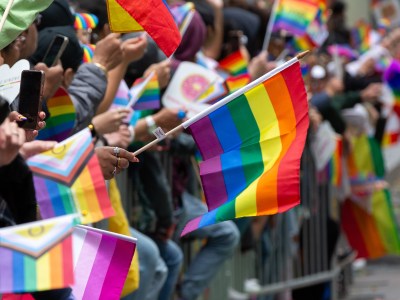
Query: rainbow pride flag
85,21
150,96
343,51
361,230
88,52
235,64
152,16
335,164
235,83
68,179
392,78
371,228
302,43
61,119
101,263
361,36
251,143
294,16
37,256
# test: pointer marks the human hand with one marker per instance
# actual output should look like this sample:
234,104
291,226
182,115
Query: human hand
30,135
163,70
168,118
371,93
121,138
110,120
260,65
108,52
11,139
133,49
53,78
110,164
216,4
35,147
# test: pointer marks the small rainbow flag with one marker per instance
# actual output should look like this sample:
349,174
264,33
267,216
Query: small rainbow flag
302,43
183,15
251,143
61,119
152,16
361,36
235,83
68,179
294,16
85,21
88,52
37,256
392,78
150,95
335,164
101,263
235,64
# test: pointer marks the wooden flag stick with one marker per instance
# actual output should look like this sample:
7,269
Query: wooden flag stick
6,12
270,25
223,101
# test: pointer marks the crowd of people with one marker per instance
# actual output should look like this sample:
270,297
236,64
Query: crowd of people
168,198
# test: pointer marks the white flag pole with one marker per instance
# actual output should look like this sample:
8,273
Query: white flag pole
6,12
271,22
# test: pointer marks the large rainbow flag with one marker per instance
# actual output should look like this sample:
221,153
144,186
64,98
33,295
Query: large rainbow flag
152,16
101,263
392,78
251,143
37,256
68,179
294,16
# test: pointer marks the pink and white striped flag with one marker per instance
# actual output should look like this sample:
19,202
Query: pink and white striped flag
101,263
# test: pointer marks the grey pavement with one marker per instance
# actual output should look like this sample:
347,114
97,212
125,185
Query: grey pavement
378,280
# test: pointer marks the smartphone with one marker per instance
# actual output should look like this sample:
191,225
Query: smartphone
30,96
55,50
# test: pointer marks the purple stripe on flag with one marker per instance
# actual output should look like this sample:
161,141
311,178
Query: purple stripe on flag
118,270
206,138
43,198
83,268
155,104
100,268
191,226
6,268
213,182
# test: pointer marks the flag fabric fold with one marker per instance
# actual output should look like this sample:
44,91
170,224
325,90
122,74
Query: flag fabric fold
251,146
152,16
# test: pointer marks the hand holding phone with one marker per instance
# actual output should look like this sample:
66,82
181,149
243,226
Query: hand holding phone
30,96
55,50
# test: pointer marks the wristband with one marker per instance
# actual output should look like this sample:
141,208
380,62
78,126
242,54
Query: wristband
101,67
151,124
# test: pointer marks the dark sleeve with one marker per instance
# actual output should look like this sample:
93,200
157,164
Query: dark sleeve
346,100
87,90
17,189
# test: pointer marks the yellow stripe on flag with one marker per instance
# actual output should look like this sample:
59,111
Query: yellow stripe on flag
120,20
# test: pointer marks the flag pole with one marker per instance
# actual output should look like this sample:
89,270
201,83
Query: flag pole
6,12
271,22
224,101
